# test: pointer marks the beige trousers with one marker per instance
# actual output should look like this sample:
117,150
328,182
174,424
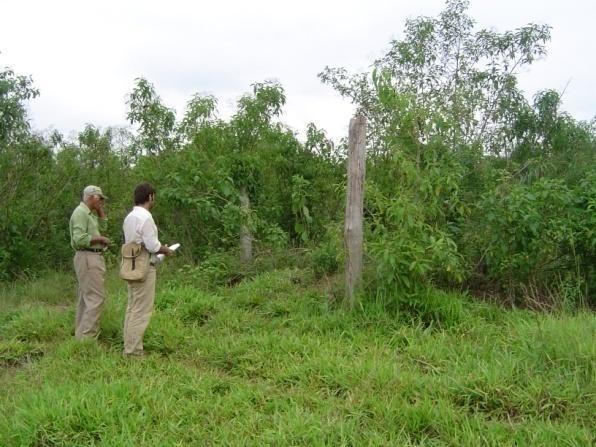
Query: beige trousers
141,296
90,269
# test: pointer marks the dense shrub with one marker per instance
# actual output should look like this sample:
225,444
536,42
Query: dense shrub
468,183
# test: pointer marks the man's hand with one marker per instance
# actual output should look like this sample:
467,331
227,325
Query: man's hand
100,211
166,250
100,240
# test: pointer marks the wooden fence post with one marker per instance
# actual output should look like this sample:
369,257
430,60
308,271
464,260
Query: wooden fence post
245,234
353,230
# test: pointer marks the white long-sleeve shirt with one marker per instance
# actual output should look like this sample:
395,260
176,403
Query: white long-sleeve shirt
139,227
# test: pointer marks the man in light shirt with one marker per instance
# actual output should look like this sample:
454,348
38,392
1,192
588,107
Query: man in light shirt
87,221
140,228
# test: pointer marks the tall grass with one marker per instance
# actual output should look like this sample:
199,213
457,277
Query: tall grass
270,362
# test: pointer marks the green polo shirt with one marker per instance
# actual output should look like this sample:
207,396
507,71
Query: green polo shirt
83,226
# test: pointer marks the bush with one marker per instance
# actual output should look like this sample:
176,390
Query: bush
409,253
538,236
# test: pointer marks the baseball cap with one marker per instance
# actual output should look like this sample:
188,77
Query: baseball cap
93,190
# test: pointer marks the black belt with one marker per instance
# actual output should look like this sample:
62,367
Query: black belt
93,250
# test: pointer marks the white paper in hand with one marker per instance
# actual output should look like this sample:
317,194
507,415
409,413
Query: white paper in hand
161,256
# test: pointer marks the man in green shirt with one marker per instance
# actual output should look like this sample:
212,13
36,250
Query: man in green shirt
85,238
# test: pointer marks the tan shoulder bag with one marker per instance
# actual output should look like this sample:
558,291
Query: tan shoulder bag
135,262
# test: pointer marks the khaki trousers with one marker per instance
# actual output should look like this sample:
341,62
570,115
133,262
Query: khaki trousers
90,269
141,296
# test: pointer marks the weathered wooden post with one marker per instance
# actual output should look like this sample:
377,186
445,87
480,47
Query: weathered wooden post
353,231
245,234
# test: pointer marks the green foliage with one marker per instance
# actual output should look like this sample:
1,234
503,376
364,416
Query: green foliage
14,91
448,81
156,122
550,142
468,184
217,160
535,234
200,113
324,260
409,252
441,100
328,256
302,218
41,183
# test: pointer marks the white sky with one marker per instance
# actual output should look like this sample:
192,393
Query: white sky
84,56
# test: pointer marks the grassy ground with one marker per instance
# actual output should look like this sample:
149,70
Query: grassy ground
268,362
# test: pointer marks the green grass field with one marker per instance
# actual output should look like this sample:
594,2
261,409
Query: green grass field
269,362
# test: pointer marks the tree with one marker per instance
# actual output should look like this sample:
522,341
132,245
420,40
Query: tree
444,80
249,126
549,141
200,112
156,122
14,91
21,155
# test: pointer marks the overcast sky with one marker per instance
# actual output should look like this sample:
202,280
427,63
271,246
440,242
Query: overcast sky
84,56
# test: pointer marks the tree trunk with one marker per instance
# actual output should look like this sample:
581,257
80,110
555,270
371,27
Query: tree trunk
353,232
245,236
